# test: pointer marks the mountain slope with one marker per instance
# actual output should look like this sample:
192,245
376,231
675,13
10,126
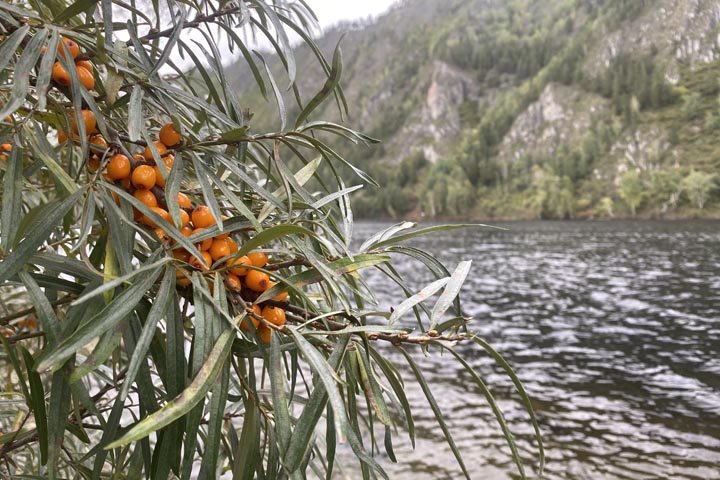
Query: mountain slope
529,108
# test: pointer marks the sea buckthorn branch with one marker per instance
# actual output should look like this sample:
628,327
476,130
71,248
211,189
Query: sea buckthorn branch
27,311
194,23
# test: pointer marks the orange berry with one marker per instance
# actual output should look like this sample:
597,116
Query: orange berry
29,323
161,234
118,168
169,136
143,177
186,230
99,141
88,118
182,255
146,197
183,201
258,259
181,278
245,325
233,282
160,181
85,64
161,148
257,281
8,119
6,147
265,334
204,244
72,47
195,262
274,315
235,268
202,217
93,163
184,218
9,332
60,75
138,157
126,184
160,211
86,77
220,248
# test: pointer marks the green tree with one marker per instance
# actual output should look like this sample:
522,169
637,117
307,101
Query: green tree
698,186
147,332
631,190
665,187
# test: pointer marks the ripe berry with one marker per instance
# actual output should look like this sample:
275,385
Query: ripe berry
183,201
204,244
257,281
222,248
160,211
93,163
118,168
161,234
85,64
60,75
245,325
258,259
146,197
182,255
143,177
280,296
233,282
274,315
184,218
169,136
86,77
202,217
265,334
195,262
161,148
72,47
235,265
88,118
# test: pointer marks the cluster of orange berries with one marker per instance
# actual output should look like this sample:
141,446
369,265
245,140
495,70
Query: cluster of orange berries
144,179
83,68
5,148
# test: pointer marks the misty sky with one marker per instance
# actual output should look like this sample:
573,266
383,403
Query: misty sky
330,12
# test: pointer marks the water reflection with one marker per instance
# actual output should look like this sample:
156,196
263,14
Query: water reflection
614,329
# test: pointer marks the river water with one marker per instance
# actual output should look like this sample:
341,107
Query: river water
614,329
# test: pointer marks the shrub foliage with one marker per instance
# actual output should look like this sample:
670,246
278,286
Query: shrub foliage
146,332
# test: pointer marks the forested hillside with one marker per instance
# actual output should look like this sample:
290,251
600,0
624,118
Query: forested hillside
529,108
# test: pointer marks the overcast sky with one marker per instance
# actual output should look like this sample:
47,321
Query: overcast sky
330,12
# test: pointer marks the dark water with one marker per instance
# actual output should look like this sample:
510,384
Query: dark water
614,328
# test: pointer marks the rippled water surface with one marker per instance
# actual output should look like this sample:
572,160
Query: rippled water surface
614,328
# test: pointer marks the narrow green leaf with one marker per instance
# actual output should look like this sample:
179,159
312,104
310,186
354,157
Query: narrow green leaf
521,391
276,373
36,234
419,297
136,122
157,311
451,291
74,9
21,77
278,95
10,45
38,404
495,408
48,321
428,230
247,454
330,85
436,410
183,403
105,320
12,197
57,417
311,414
325,372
